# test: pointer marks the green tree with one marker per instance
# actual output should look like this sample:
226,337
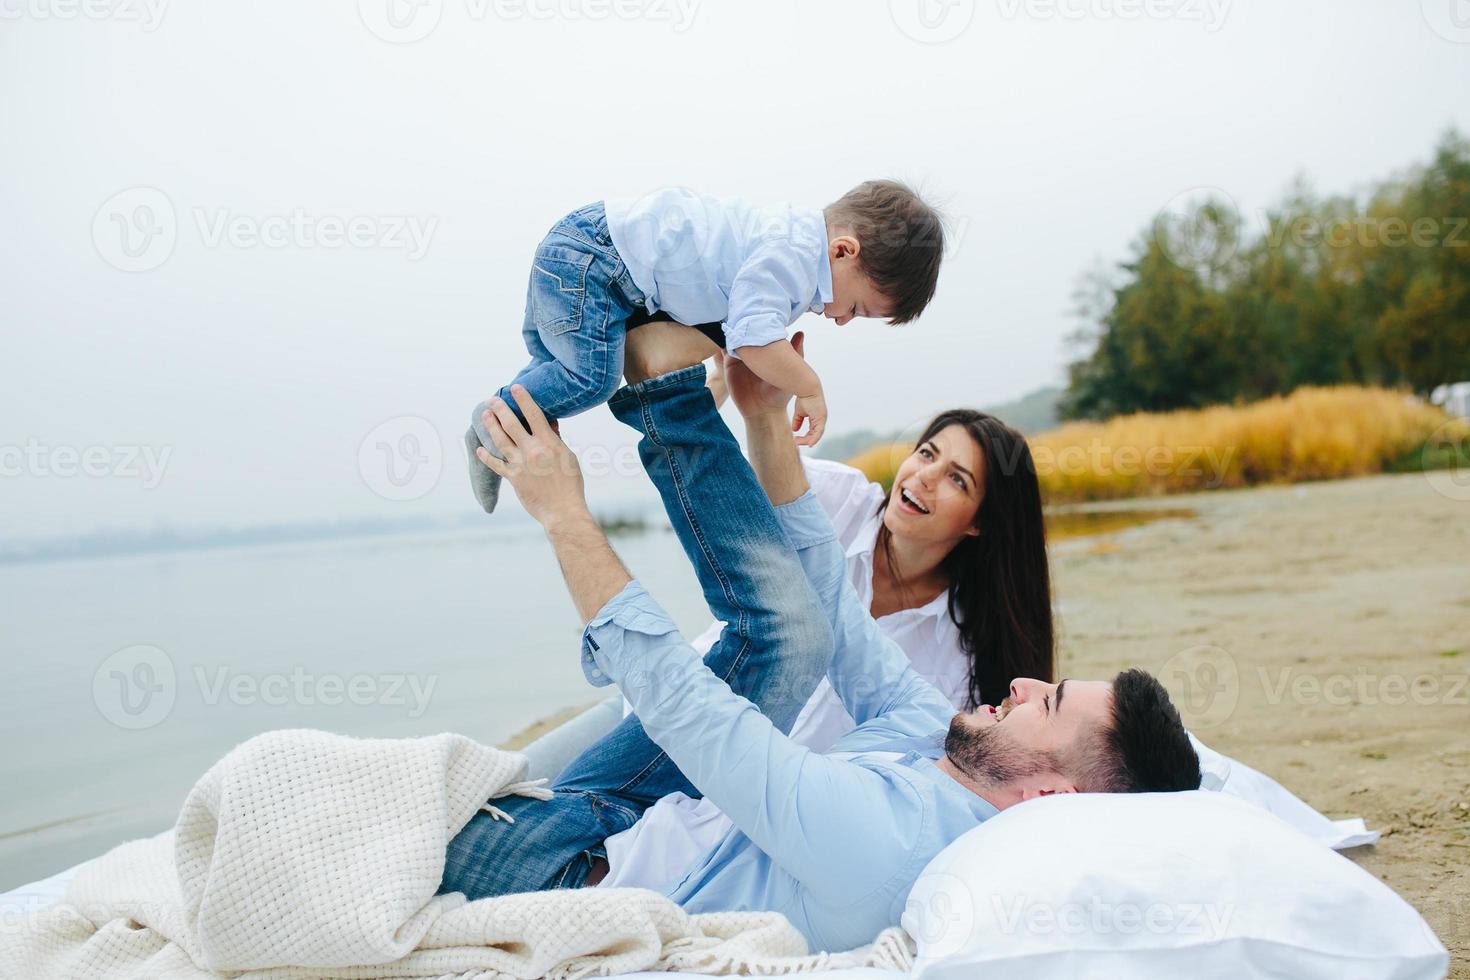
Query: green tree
1335,290
1162,339
1420,268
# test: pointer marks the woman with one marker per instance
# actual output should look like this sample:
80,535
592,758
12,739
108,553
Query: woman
951,562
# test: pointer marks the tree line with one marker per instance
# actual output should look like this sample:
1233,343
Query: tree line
1213,307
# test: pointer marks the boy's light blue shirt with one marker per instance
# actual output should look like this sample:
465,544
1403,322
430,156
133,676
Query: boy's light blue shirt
706,260
834,842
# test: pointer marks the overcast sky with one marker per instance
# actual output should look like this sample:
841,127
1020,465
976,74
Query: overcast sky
183,318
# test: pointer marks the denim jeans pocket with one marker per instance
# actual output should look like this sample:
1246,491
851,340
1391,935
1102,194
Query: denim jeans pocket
559,288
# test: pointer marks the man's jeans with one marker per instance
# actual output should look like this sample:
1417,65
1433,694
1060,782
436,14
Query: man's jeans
775,649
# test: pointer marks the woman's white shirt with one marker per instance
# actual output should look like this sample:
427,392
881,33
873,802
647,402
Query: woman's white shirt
926,634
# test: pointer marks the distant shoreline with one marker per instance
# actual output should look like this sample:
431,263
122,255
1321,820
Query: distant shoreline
129,544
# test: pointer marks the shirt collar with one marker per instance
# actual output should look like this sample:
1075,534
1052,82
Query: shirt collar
824,274
864,544
979,805
921,753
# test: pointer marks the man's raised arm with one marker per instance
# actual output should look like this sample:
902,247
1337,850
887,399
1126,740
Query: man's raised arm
794,804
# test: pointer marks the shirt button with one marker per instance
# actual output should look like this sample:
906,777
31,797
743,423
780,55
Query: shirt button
596,672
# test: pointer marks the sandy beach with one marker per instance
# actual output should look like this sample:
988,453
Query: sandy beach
1317,632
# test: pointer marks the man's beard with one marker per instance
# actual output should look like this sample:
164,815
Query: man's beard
991,756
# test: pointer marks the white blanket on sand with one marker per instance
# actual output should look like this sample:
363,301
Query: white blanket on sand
308,855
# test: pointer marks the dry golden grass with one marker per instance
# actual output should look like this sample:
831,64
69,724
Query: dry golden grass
1311,434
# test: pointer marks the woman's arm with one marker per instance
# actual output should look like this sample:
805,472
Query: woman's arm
774,458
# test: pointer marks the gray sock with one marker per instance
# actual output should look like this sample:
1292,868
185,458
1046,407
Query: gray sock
483,480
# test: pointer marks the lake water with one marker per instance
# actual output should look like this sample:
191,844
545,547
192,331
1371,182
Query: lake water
466,631
127,677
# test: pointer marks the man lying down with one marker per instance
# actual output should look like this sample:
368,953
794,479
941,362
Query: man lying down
834,842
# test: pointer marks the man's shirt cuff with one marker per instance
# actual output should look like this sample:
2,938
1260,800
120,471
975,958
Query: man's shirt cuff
632,610
805,522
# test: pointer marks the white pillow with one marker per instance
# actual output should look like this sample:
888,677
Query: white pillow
1167,885
1233,778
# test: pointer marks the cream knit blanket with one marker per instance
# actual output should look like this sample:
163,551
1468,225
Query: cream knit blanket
303,854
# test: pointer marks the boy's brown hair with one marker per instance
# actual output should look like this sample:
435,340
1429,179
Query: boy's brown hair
902,241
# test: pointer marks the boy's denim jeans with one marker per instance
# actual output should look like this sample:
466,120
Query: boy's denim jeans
578,302
775,649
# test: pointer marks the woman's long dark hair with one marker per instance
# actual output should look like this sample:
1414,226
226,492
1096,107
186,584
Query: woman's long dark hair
999,580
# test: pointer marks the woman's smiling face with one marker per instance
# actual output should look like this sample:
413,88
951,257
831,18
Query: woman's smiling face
938,488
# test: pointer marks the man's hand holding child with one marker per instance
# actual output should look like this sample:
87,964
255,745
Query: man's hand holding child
545,473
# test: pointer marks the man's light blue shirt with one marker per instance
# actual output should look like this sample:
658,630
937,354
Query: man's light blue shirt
834,842
705,260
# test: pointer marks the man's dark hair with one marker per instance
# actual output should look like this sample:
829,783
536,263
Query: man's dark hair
902,241
1144,747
